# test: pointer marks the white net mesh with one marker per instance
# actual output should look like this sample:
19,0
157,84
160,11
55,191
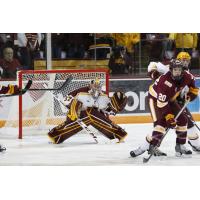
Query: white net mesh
40,109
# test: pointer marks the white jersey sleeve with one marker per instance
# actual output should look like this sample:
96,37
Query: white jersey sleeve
158,66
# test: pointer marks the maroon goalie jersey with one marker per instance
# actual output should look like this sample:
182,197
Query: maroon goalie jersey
165,90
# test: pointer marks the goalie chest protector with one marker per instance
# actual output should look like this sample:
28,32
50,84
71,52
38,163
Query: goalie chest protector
88,101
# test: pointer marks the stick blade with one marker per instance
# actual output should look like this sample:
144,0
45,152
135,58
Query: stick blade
27,87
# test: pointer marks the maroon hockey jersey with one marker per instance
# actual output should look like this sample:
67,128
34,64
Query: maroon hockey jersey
165,90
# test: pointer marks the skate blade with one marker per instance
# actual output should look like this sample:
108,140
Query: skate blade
178,154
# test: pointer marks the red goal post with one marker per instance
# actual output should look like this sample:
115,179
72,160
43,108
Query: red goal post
39,110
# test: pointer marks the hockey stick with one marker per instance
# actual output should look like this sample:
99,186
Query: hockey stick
80,122
85,127
23,91
28,85
145,160
67,82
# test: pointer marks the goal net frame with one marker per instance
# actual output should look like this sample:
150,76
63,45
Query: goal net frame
22,80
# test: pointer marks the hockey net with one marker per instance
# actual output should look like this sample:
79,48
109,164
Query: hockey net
40,111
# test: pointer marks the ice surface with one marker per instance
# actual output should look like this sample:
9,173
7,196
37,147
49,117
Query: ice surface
81,150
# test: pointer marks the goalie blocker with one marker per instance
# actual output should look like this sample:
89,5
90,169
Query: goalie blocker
92,110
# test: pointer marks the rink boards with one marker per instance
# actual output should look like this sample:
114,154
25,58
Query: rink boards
136,110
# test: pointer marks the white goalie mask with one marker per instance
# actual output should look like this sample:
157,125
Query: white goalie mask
96,88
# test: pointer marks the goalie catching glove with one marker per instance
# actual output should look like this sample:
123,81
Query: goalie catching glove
117,103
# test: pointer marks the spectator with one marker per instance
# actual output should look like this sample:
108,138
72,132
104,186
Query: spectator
184,42
58,45
127,40
6,40
29,48
9,64
155,41
119,61
130,41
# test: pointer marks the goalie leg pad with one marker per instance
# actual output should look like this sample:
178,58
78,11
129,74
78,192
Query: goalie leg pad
63,131
106,126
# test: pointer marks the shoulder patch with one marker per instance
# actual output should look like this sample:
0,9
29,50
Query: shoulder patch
168,83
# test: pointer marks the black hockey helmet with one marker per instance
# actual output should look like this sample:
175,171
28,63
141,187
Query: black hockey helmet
176,68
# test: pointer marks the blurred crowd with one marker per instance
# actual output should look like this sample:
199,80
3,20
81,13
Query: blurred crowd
18,51
128,53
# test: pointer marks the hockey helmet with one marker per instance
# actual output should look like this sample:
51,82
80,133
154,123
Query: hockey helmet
176,69
183,55
185,58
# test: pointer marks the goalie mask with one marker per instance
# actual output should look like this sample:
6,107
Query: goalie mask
95,88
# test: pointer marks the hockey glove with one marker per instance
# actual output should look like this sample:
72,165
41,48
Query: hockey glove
10,89
154,74
192,94
171,123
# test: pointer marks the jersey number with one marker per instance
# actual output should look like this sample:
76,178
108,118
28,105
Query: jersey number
162,97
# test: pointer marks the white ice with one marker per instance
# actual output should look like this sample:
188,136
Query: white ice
81,150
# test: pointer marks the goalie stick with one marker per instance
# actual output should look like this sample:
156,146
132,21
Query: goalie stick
80,122
145,160
23,91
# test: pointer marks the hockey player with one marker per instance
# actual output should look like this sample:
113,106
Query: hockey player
155,69
164,108
10,89
72,94
91,108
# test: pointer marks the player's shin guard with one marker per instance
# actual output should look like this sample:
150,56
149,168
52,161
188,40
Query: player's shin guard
180,148
156,138
181,133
